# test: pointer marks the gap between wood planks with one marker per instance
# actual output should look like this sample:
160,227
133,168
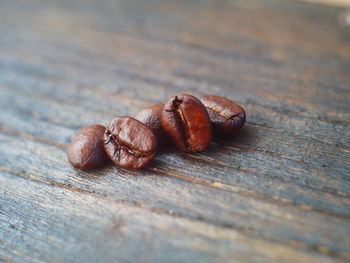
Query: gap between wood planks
243,230
212,184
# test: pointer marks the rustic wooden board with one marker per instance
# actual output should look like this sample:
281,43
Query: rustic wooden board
277,191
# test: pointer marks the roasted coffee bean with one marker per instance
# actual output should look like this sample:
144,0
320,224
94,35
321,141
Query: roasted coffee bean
151,118
86,150
186,120
129,143
226,116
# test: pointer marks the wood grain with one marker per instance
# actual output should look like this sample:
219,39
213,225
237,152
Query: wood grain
277,191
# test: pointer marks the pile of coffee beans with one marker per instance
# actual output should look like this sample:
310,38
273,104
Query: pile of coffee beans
184,121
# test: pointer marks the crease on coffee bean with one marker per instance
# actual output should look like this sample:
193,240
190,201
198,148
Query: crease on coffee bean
133,152
233,117
119,146
180,116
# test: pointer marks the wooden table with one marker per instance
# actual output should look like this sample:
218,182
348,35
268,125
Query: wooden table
278,191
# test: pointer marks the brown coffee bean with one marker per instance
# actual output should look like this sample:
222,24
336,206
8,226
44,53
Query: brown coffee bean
129,143
226,116
186,120
86,150
151,118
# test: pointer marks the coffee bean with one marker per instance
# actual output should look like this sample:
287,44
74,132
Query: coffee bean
129,143
151,118
186,120
86,150
226,116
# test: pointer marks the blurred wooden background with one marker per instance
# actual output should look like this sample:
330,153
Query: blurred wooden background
342,3
278,191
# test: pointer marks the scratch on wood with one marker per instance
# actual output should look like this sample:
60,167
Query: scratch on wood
322,118
257,149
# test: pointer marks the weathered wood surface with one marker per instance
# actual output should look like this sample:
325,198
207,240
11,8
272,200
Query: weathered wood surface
278,191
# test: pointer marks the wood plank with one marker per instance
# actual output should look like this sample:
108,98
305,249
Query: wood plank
136,234
276,222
